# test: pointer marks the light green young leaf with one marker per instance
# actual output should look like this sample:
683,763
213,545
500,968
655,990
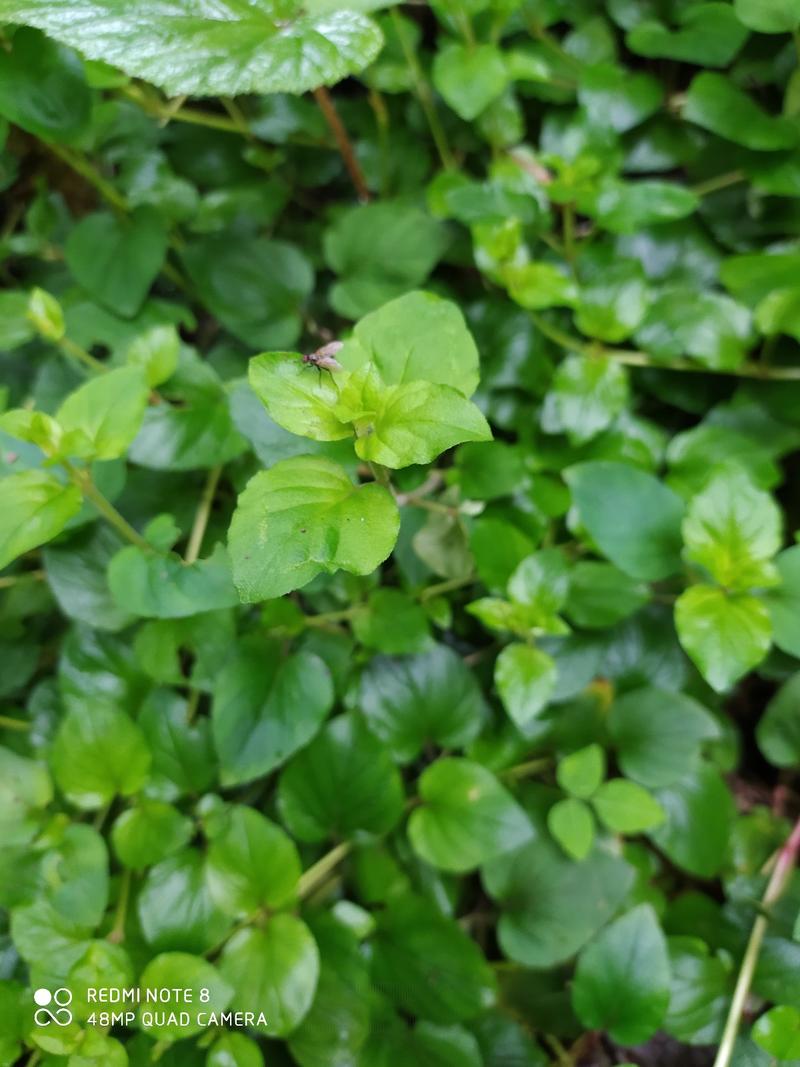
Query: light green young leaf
525,678
34,508
415,422
733,531
778,1032
418,337
101,418
726,636
179,970
580,773
778,730
304,517
769,16
626,807
709,34
622,981
148,833
540,285
299,398
571,823
783,602
188,50
156,351
466,817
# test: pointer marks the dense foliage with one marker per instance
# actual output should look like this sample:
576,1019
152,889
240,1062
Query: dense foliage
435,695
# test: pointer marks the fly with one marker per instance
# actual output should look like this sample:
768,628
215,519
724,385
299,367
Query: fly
325,358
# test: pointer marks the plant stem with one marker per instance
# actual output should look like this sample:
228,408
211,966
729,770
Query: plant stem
381,475
84,482
640,359
448,586
328,109
776,887
568,221
21,579
424,95
7,723
83,166
202,516
117,933
721,181
74,351
317,873
527,769
325,618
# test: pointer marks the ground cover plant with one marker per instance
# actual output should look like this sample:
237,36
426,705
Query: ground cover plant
399,596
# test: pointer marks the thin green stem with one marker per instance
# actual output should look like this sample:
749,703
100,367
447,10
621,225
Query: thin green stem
318,872
74,351
381,475
7,723
117,933
527,769
34,1058
633,358
22,579
424,95
84,482
325,618
439,588
83,166
568,222
721,181
192,704
778,882
202,516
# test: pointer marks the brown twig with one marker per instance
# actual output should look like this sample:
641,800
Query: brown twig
328,109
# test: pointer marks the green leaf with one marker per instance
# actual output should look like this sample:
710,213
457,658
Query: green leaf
525,678
696,832
183,757
427,965
187,50
769,16
658,734
540,285
710,327
418,337
149,832
24,786
581,772
273,970
633,518
752,277
256,288
43,88
466,818
625,207
701,992
175,909
588,393
622,981
626,807
342,783
179,970
726,636
115,259
783,602
34,508
429,698
304,517
571,823
415,422
718,105
156,352
393,623
550,904
778,1032
102,417
164,587
299,398
778,731
709,34
612,303
379,252
469,77
76,574
234,1049
251,864
264,710
75,875
99,753
733,530
600,595
616,99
